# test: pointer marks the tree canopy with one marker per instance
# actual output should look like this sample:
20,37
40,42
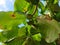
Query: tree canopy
41,20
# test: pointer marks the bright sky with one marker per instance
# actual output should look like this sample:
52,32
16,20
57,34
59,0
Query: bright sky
6,5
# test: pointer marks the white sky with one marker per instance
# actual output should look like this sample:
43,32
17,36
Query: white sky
2,3
6,5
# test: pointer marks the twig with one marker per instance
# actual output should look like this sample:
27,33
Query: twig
10,40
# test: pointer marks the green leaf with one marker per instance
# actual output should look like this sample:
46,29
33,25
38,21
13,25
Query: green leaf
34,31
55,1
53,33
22,32
16,41
57,17
30,41
2,38
36,14
33,2
31,9
42,7
53,7
21,5
7,19
23,41
11,33
37,37
49,30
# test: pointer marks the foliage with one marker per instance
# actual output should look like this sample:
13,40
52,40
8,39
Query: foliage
38,29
